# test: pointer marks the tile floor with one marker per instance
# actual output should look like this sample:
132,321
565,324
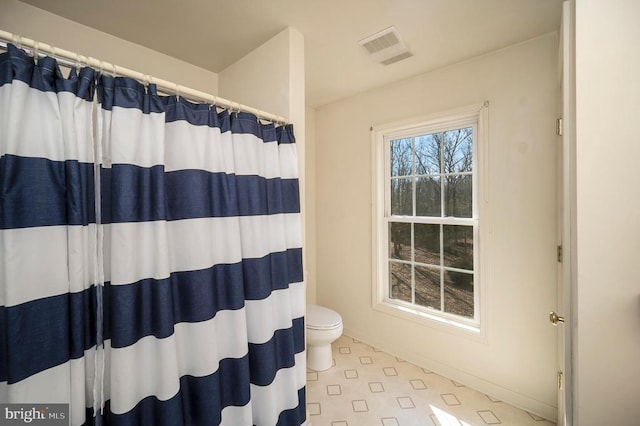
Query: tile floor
368,387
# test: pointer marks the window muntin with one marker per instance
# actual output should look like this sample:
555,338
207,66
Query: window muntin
430,219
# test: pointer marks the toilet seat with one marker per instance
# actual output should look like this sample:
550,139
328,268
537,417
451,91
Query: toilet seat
321,318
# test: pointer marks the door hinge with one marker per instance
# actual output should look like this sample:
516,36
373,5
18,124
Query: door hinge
559,126
559,253
560,377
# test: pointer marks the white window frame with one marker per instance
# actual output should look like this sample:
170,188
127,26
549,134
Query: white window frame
475,116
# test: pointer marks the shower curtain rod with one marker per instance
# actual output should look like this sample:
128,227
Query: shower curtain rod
72,58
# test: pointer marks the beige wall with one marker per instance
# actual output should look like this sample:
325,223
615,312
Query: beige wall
608,221
516,362
311,203
30,22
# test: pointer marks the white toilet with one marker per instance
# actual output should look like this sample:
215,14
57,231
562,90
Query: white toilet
323,327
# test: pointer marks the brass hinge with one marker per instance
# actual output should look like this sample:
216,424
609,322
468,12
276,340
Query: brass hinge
559,253
560,380
559,126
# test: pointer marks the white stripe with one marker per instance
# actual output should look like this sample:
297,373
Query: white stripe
137,250
45,261
234,416
198,147
194,349
288,160
298,299
82,375
205,242
142,250
254,156
265,316
48,386
293,230
44,124
131,137
262,235
282,394
205,148
68,383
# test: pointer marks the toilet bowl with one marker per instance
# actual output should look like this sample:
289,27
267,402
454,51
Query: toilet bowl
323,326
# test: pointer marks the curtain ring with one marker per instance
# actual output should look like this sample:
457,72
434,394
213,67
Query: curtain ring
178,92
147,79
36,51
115,71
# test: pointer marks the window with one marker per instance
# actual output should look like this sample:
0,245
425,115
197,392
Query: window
427,191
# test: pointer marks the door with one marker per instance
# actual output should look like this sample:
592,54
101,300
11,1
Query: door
562,317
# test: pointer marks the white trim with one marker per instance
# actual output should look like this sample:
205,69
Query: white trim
475,115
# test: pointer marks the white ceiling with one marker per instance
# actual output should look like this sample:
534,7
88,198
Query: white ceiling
213,34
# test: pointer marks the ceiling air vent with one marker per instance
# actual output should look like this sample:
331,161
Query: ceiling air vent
386,46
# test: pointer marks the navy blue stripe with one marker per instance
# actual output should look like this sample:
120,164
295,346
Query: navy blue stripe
246,123
41,192
44,333
132,194
274,271
46,76
267,358
195,114
297,415
260,196
138,194
197,193
285,134
152,307
199,402
128,93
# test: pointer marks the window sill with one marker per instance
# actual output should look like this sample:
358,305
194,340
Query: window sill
441,323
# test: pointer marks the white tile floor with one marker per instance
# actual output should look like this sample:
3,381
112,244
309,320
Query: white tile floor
368,387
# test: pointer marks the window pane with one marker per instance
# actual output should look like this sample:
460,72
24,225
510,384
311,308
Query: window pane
428,154
400,241
400,281
428,287
458,196
428,199
402,197
458,293
458,246
427,244
458,145
401,157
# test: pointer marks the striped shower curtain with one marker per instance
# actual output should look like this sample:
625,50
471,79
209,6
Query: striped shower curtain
150,254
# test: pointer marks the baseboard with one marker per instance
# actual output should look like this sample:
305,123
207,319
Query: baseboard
516,399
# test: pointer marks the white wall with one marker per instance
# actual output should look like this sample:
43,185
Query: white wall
608,206
516,363
30,22
261,78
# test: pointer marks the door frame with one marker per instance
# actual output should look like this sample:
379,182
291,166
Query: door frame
567,290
